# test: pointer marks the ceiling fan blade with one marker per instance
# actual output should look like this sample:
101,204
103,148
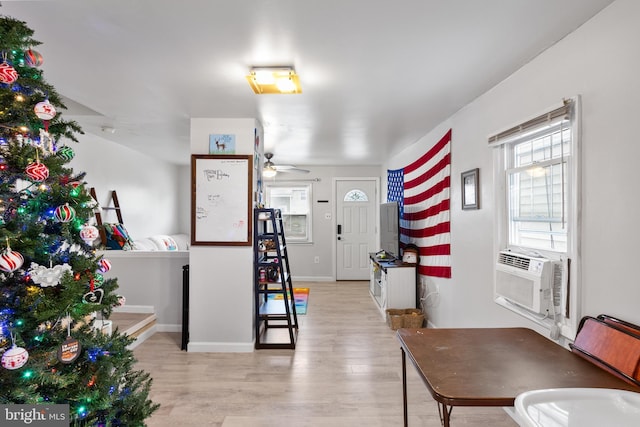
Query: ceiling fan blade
280,168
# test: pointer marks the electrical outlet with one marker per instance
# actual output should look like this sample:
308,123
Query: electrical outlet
316,260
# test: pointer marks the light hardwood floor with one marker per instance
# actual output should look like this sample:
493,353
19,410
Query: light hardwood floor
346,371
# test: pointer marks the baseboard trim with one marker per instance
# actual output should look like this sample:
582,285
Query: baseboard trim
220,347
168,327
312,279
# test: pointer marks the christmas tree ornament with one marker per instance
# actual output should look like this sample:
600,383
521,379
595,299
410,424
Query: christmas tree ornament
89,233
65,213
37,171
66,153
70,349
10,213
121,300
98,280
93,297
33,58
8,74
104,265
46,277
10,260
47,142
15,358
44,110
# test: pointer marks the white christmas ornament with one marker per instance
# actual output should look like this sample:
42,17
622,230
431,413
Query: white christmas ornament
46,277
47,142
10,260
121,301
89,233
44,110
15,358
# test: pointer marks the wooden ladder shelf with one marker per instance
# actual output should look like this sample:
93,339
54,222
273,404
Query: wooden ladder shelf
98,213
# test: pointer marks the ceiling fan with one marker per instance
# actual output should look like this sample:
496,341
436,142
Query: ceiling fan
270,169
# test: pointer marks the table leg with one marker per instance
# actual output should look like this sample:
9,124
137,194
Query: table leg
446,411
404,387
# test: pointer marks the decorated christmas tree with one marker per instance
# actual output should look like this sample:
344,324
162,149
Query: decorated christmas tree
51,280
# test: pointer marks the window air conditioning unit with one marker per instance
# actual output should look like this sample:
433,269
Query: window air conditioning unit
526,281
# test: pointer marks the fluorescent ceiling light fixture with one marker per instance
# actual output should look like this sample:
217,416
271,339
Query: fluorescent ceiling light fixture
279,80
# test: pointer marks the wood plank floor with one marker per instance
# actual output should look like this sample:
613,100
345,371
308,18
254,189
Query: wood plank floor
346,371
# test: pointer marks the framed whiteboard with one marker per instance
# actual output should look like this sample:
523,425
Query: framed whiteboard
221,200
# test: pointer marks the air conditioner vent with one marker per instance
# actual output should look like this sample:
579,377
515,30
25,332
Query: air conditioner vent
514,261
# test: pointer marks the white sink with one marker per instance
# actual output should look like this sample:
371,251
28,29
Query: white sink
578,407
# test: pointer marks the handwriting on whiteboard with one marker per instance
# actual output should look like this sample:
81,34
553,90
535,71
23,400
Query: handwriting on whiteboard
212,174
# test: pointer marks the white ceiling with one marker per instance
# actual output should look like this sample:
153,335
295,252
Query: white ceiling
376,75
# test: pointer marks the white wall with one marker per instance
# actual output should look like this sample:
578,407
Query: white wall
221,277
301,256
148,189
151,282
599,61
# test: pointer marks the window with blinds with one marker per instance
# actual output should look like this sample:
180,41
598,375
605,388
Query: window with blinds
539,162
538,155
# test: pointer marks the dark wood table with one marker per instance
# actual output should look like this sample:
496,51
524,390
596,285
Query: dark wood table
490,367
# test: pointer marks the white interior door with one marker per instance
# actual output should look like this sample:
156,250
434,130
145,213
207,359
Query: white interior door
356,227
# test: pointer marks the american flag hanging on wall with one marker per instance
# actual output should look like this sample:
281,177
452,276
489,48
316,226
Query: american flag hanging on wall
422,189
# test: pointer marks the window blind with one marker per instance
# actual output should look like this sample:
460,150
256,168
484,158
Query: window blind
528,129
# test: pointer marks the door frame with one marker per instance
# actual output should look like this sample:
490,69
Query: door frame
334,224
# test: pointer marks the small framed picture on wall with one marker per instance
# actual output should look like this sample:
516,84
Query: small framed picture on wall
470,194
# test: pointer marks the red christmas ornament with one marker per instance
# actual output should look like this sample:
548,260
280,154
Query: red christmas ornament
37,172
104,265
10,260
8,74
65,213
33,58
